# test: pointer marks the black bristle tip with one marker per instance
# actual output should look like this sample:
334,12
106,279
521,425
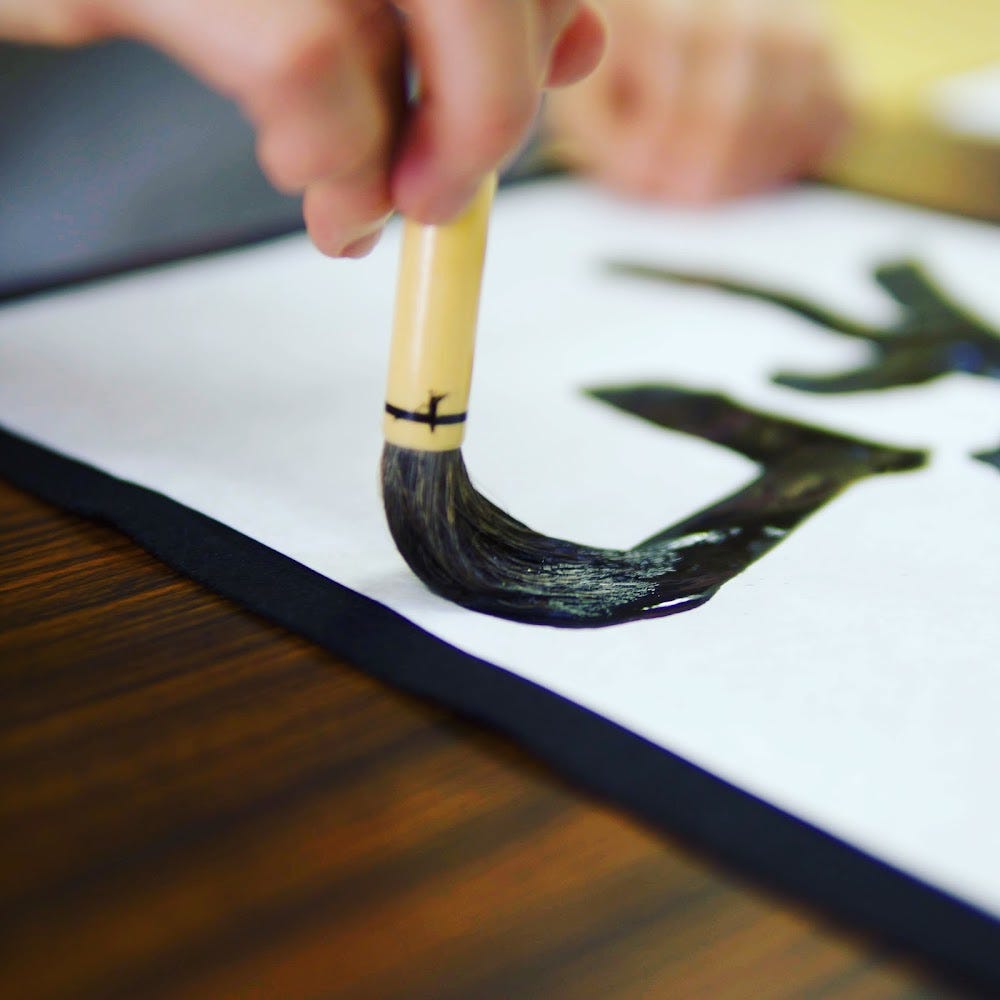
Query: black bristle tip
468,550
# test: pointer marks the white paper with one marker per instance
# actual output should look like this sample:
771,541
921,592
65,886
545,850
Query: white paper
850,676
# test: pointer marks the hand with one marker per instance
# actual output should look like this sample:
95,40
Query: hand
699,100
323,83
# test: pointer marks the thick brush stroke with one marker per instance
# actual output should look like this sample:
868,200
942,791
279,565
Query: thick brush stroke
933,335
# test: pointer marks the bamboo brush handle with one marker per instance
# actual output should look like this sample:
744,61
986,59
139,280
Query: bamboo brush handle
434,332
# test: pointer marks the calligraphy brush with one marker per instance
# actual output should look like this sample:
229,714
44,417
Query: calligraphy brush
458,542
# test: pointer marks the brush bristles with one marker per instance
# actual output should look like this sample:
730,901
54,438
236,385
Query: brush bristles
468,550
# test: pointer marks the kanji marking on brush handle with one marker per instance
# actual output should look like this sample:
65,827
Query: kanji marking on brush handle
432,419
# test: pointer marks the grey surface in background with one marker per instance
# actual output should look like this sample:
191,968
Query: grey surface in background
112,155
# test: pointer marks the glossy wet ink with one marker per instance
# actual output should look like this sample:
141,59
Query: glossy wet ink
475,554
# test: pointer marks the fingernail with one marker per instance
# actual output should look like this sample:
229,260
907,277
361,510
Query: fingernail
362,239
362,247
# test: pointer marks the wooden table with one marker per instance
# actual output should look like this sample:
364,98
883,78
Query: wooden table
195,803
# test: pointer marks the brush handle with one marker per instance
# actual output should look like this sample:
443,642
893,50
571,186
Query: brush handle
434,333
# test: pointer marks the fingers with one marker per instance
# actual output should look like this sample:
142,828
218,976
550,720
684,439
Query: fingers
798,112
785,116
481,67
611,124
320,80
704,99
717,94
323,83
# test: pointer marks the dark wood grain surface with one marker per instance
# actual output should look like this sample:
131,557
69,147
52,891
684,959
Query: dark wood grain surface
195,803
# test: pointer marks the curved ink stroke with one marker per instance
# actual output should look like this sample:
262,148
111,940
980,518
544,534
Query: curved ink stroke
802,467
933,335
470,551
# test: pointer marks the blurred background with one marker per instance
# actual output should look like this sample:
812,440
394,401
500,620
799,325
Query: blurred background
113,156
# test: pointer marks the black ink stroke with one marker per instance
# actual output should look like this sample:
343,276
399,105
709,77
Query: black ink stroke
932,337
802,468
989,457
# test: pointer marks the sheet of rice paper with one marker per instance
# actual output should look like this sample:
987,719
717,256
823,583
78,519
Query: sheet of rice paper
847,674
